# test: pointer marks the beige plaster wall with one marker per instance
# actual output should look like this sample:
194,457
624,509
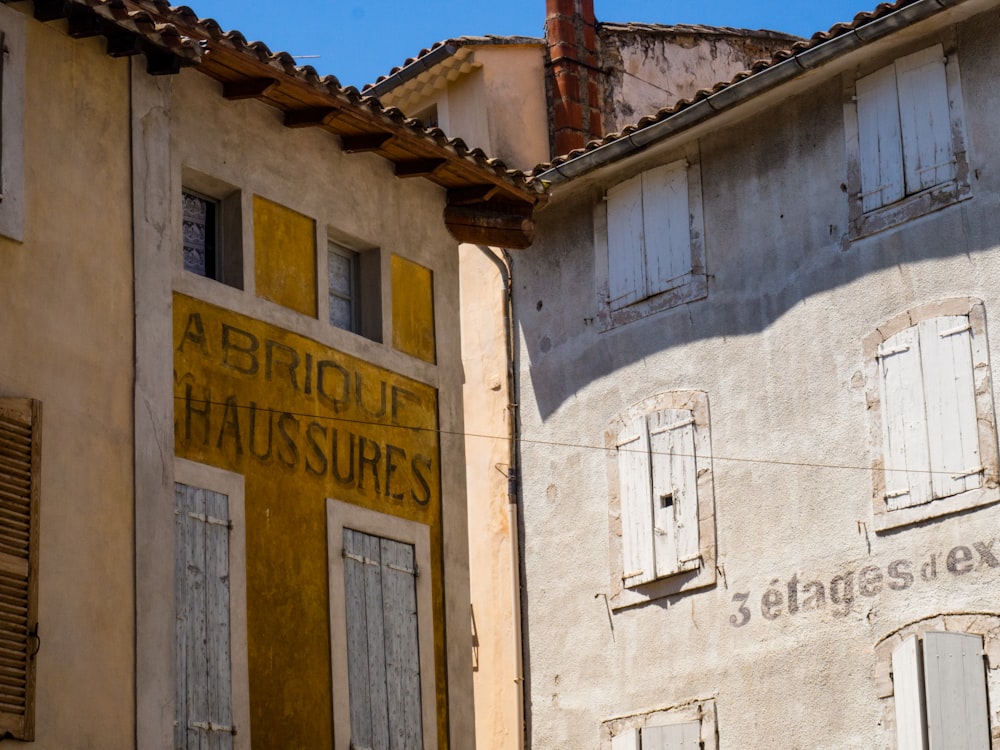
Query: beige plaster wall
67,337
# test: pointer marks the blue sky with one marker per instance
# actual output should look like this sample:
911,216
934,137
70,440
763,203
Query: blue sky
359,40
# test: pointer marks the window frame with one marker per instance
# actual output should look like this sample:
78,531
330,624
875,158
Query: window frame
229,261
985,625
989,492
683,580
341,515
231,485
353,259
624,732
920,202
690,286
13,30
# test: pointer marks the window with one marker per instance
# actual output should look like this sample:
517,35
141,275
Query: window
650,234
212,706
690,726
212,229
12,68
20,467
381,630
934,405
910,152
354,281
664,499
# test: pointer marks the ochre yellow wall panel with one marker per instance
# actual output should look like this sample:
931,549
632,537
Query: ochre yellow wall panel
302,422
412,309
284,256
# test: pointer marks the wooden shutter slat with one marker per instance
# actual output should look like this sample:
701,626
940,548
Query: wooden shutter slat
925,122
20,467
402,651
218,707
357,638
674,476
686,736
879,141
907,679
627,740
666,220
955,691
626,244
904,423
635,493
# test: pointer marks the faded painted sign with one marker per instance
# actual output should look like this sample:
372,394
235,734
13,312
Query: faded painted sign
797,595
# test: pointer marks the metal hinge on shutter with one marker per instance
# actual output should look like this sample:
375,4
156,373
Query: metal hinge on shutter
669,427
627,441
896,493
894,350
207,726
957,329
633,574
969,473
414,571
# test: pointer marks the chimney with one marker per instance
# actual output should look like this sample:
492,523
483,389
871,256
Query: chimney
573,83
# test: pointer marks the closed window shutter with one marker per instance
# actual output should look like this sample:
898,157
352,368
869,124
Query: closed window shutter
955,689
382,648
675,490
635,491
904,422
950,405
627,740
925,121
667,226
626,244
908,696
20,466
203,654
879,140
686,736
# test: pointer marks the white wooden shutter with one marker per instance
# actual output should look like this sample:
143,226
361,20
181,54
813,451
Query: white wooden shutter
881,150
635,492
955,689
925,122
20,467
203,656
904,421
950,405
626,244
686,736
627,740
908,700
382,647
674,490
667,226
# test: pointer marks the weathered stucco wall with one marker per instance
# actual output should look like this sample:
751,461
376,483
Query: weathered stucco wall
653,67
777,345
67,340
349,199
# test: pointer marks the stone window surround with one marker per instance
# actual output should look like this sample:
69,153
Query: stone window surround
700,709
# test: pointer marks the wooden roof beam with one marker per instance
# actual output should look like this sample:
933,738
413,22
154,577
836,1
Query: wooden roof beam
419,167
50,10
83,23
311,117
249,88
500,225
123,44
360,143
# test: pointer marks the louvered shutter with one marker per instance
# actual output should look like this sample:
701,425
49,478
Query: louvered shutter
204,718
879,139
674,490
635,492
686,736
904,421
382,648
626,244
20,467
955,689
627,740
908,696
950,405
925,121
667,226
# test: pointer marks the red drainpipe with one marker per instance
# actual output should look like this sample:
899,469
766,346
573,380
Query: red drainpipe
574,83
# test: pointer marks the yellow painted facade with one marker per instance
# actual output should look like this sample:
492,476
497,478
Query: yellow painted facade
302,422
413,309
284,256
